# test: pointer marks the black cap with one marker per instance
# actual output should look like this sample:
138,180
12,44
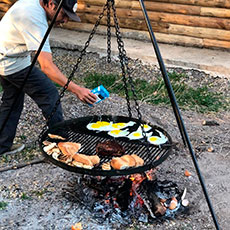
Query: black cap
70,8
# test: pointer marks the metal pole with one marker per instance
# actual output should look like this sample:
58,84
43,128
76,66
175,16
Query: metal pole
177,111
33,63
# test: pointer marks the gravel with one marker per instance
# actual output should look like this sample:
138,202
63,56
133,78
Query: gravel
34,193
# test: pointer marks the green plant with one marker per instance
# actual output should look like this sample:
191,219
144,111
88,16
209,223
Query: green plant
24,196
23,137
40,193
155,92
3,205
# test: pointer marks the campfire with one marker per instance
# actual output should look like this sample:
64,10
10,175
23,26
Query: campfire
121,199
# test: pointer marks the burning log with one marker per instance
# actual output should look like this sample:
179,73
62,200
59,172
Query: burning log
123,195
122,198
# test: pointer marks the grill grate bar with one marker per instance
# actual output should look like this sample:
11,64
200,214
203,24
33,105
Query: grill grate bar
152,155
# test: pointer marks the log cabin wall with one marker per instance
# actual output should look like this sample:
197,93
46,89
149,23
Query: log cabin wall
197,23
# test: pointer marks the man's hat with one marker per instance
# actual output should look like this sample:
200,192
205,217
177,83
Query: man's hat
70,8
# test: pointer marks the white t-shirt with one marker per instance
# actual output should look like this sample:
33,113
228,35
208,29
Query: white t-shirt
22,30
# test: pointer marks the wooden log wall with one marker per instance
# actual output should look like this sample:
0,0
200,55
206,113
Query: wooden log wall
199,23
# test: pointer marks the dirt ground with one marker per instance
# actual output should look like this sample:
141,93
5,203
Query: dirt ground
34,197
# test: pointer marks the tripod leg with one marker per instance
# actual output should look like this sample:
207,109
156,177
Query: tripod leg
177,112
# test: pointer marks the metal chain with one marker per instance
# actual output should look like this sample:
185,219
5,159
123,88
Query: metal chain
108,32
83,52
121,58
125,64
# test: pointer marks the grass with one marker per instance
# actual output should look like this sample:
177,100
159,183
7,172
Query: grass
200,99
3,205
24,196
40,193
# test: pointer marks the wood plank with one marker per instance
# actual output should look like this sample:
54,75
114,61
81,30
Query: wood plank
144,35
123,22
161,37
198,32
216,43
152,6
199,21
179,40
2,14
4,7
215,12
164,7
9,2
140,35
208,3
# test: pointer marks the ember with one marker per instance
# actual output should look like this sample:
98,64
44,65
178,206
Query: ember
122,198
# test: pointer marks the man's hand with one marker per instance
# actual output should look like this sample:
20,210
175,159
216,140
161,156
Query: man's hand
85,95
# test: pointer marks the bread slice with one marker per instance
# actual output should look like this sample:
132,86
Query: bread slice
47,148
139,160
95,159
69,148
130,160
118,163
106,166
77,164
82,158
54,136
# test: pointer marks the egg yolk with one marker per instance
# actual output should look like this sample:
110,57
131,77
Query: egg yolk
118,125
153,138
136,134
95,126
116,132
103,123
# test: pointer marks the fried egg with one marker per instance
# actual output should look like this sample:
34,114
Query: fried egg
146,127
131,123
100,126
138,134
118,133
158,140
121,125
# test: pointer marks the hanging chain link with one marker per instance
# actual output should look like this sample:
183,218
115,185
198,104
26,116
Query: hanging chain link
125,66
122,54
125,63
108,32
83,52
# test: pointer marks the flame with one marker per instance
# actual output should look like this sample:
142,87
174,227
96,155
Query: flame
137,180
139,201
107,201
151,174
77,226
116,205
132,178
107,194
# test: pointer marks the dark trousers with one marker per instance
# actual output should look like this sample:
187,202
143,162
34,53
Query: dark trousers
39,87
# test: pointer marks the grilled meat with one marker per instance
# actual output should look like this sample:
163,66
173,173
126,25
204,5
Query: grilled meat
109,148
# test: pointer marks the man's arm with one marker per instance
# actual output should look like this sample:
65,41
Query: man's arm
51,70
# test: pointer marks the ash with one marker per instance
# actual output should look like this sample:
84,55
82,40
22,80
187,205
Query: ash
123,199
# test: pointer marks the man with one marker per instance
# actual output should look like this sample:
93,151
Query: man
22,30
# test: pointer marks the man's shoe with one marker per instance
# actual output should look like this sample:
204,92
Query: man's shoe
15,148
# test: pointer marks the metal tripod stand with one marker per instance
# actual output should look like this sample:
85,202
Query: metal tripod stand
175,107
177,113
